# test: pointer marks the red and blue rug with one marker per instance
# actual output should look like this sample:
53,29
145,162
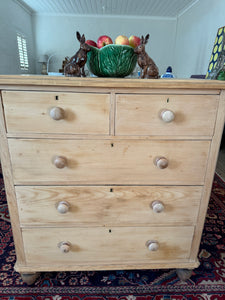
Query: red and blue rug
206,283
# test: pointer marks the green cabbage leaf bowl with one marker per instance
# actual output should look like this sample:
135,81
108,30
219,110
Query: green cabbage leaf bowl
111,60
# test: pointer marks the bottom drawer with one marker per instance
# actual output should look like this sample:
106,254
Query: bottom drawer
101,245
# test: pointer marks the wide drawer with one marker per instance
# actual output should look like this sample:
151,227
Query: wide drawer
101,205
99,245
35,112
142,114
107,161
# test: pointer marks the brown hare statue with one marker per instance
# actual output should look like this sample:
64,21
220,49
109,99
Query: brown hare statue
147,65
75,66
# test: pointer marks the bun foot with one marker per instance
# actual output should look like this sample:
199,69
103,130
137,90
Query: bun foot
184,274
29,278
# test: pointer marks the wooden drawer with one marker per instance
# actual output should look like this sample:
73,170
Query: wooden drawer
83,113
99,245
108,162
140,114
105,205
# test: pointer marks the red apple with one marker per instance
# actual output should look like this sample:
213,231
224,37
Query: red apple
134,41
104,40
91,43
122,40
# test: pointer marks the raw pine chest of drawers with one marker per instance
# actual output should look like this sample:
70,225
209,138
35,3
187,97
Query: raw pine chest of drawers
105,174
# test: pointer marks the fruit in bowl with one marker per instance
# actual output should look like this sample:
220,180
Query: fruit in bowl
104,40
91,43
112,60
122,40
134,41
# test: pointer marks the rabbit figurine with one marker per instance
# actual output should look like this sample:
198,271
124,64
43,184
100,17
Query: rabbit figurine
147,65
75,66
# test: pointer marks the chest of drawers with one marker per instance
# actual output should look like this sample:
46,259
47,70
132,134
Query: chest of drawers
105,174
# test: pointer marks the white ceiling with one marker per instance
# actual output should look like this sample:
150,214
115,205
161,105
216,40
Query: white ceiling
147,8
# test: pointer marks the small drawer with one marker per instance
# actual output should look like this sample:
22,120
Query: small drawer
46,162
183,115
105,205
104,245
52,112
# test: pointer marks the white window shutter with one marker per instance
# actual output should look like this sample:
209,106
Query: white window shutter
22,50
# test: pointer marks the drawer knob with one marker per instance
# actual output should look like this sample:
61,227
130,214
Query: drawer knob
60,162
57,113
63,207
157,206
64,247
167,115
161,162
152,245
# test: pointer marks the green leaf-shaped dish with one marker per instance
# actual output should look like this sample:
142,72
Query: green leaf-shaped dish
111,60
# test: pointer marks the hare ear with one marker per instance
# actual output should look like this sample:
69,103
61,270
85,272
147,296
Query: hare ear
78,36
82,40
146,38
142,40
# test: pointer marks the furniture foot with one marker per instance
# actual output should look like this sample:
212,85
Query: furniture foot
184,274
29,278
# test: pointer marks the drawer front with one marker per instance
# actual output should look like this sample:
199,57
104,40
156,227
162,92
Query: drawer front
106,245
136,205
78,113
141,114
107,161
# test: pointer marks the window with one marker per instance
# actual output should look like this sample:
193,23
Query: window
22,49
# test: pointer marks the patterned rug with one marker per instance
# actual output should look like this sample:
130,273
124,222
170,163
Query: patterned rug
206,283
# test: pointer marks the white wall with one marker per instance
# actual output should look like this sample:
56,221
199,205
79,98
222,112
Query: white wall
13,19
57,34
196,33
185,43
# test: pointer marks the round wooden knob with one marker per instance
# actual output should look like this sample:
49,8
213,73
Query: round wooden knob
64,247
152,245
57,113
161,162
60,162
63,207
157,206
167,115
